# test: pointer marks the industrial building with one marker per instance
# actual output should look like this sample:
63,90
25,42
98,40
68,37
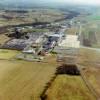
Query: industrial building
27,40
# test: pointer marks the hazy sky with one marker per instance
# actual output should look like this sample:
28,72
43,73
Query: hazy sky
93,2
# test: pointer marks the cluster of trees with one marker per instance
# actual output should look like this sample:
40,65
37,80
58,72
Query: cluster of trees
68,69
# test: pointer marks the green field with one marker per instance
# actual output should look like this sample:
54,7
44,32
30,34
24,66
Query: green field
8,54
35,30
67,87
94,17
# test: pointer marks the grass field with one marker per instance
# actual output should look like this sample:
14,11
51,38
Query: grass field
7,54
67,87
22,80
94,17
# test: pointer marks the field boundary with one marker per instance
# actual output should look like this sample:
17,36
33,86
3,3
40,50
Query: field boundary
43,96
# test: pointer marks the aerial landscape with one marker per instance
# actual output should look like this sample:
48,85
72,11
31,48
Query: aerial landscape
49,50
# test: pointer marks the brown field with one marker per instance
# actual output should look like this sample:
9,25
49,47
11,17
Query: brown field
91,31
71,31
3,38
90,60
89,57
92,74
38,15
